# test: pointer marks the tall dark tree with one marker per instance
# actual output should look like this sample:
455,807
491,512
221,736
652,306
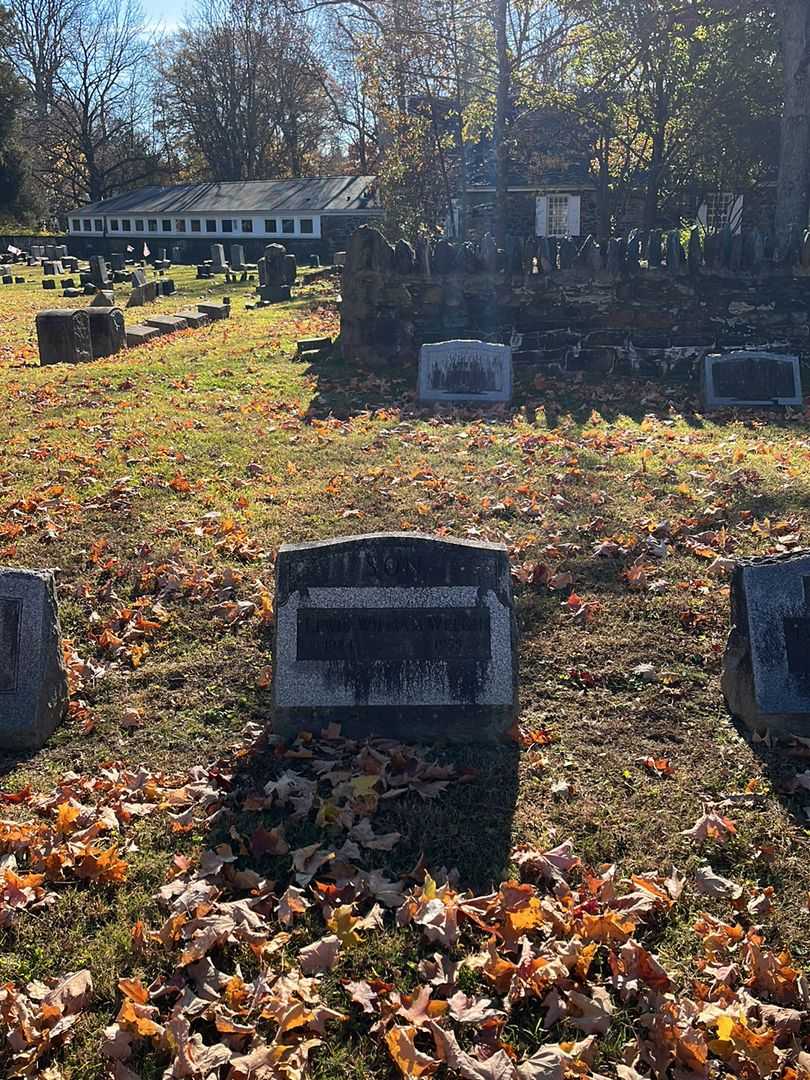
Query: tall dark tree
793,191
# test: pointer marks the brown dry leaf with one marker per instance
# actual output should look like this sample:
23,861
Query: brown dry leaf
711,826
708,883
409,1060
320,956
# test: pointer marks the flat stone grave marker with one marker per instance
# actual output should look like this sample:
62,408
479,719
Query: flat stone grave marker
766,667
33,679
751,379
465,372
395,634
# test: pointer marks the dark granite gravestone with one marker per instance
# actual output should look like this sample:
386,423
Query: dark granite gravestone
137,278
395,634
176,255
218,263
766,667
750,379
237,257
466,372
99,274
33,679
63,336
118,261
107,333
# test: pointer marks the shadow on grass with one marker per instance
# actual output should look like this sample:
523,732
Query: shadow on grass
465,827
345,390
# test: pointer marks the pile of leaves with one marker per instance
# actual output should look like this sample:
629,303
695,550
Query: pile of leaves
256,972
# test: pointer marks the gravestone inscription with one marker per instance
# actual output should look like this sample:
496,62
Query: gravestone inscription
465,371
766,667
397,634
750,379
33,679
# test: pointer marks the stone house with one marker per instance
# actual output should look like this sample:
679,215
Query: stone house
309,215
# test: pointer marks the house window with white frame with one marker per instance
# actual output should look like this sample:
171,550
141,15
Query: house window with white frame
557,215
719,207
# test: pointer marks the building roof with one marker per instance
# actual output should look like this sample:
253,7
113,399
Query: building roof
311,194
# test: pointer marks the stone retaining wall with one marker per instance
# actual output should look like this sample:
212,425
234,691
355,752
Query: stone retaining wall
580,307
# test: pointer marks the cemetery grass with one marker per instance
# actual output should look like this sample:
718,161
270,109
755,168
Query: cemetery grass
161,482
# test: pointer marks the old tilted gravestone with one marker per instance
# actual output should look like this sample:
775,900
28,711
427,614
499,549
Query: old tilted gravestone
63,336
750,379
33,679
99,274
465,372
137,278
397,634
766,666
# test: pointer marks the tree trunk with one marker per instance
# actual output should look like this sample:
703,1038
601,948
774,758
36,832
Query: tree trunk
603,188
657,159
499,134
793,187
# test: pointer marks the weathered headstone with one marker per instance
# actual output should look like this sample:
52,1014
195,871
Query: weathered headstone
237,257
395,634
103,298
107,333
63,336
176,254
465,371
218,263
118,261
750,379
99,274
766,667
33,679
137,278
339,258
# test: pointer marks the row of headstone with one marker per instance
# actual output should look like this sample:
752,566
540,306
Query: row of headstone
414,637
750,250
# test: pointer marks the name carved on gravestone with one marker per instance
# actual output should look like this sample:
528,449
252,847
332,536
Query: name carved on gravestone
10,611
766,667
465,371
396,634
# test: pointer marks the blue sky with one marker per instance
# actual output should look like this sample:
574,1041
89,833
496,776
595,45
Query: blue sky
167,13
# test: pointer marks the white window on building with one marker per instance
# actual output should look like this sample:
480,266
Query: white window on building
558,214
721,208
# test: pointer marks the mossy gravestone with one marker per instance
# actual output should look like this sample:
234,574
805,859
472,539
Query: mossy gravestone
766,667
395,634
33,679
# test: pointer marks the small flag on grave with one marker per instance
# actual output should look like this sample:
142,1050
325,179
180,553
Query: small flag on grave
146,251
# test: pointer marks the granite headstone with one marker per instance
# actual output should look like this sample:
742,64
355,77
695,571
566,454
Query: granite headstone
465,372
750,379
33,679
766,667
396,634
63,336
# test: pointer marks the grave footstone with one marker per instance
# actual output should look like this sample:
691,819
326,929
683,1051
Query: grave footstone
63,336
33,678
49,283
167,324
215,311
395,634
766,667
467,372
137,334
747,379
